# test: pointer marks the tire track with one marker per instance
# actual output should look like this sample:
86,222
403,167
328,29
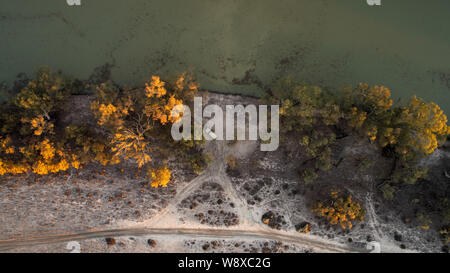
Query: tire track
189,233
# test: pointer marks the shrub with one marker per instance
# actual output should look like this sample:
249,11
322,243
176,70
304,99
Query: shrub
231,161
340,210
159,177
388,191
445,235
304,228
424,220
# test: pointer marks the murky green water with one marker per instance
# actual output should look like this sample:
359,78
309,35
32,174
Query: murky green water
237,46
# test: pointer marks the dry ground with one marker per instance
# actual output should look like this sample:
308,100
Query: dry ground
220,210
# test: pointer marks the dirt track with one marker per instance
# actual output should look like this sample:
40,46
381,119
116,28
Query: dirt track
191,233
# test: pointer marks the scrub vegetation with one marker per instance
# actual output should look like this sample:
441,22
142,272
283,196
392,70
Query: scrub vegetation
312,120
317,118
133,125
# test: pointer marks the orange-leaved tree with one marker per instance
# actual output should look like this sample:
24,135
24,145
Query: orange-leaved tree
138,120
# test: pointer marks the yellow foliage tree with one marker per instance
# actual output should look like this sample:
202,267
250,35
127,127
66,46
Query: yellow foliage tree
137,119
130,144
111,107
159,105
416,129
422,127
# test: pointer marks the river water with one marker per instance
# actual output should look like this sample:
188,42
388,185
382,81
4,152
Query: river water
237,46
